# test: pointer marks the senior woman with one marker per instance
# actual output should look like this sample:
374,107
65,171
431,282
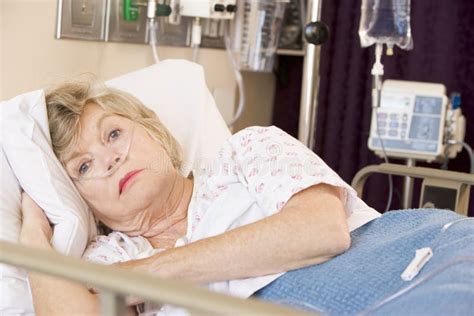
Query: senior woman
266,205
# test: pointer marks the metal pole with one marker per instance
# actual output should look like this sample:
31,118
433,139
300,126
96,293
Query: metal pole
310,84
408,186
116,283
112,304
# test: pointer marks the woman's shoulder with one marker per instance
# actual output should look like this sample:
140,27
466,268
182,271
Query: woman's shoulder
261,136
264,142
249,146
259,131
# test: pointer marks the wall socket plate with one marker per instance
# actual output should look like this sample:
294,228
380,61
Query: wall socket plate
81,19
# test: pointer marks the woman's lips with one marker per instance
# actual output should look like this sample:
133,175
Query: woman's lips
127,179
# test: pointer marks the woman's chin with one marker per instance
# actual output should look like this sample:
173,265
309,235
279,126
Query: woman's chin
139,193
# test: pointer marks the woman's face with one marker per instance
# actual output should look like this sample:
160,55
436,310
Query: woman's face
121,171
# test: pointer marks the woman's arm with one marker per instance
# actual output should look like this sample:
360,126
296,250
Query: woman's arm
53,296
311,228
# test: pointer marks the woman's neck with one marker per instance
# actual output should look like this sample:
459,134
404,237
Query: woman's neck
166,232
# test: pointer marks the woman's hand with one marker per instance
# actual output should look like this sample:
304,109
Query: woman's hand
36,230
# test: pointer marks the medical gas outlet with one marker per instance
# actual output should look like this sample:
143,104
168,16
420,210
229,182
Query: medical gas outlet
131,10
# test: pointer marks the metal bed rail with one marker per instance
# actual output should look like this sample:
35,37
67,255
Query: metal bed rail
443,178
115,284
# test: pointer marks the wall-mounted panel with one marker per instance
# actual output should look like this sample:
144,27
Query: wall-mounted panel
126,30
107,20
81,19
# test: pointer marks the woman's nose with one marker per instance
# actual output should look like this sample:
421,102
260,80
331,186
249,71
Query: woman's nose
113,163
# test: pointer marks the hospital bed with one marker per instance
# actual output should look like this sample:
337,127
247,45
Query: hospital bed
200,137
115,284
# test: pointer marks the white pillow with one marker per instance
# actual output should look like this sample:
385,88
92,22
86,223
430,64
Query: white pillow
27,145
14,293
174,89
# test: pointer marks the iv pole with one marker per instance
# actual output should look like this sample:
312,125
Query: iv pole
315,33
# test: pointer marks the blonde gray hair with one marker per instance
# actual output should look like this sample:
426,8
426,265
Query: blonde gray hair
65,104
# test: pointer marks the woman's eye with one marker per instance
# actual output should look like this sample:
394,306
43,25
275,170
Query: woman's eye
83,168
114,134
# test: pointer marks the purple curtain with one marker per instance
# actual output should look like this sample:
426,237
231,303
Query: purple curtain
443,33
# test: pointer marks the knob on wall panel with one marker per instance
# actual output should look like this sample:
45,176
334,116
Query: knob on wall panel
81,19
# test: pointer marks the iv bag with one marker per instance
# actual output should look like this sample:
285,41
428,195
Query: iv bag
386,22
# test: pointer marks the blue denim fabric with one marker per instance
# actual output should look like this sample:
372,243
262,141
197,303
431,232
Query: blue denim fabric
356,281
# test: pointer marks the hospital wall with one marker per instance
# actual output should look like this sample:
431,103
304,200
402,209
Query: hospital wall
30,58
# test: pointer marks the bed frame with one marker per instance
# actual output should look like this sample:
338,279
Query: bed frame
115,284
458,182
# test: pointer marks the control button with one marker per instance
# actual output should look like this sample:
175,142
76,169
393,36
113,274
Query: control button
381,123
405,117
403,134
393,133
425,131
394,117
381,132
382,115
219,7
231,8
404,125
393,125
